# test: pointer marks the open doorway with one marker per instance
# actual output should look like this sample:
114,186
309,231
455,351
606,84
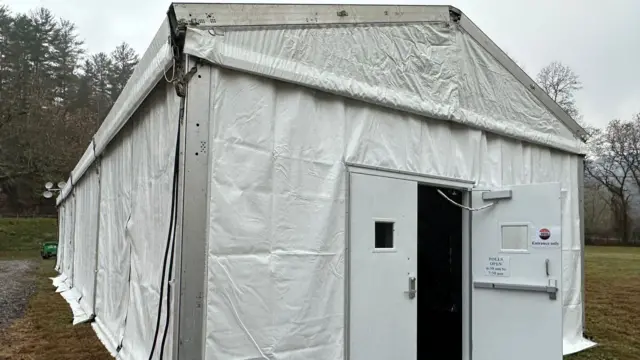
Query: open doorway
439,274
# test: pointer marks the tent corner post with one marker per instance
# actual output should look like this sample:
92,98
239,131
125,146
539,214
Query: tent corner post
193,217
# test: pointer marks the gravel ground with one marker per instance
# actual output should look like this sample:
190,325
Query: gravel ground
17,284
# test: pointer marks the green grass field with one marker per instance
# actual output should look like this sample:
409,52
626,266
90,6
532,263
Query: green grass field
45,332
21,238
613,303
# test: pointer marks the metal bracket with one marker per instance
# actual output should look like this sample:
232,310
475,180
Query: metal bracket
551,290
181,84
496,195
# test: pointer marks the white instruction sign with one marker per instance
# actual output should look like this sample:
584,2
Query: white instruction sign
546,237
498,266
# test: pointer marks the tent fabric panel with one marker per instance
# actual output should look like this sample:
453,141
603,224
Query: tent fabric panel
85,238
114,261
86,161
154,137
277,228
135,199
68,246
433,69
61,236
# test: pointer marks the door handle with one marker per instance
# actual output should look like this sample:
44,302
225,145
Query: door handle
412,287
546,266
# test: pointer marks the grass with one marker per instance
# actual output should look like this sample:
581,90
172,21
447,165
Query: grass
46,332
612,303
21,238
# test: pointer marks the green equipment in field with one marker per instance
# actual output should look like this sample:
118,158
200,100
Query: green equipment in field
49,249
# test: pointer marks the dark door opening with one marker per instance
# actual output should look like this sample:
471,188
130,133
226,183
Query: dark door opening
439,274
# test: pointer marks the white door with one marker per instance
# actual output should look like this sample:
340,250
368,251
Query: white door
517,275
383,250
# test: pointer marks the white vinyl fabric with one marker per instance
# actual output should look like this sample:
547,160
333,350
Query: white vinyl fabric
69,239
114,262
114,213
434,69
152,161
85,238
277,222
69,256
61,235
131,197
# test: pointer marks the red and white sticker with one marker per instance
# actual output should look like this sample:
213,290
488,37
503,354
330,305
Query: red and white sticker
547,237
544,234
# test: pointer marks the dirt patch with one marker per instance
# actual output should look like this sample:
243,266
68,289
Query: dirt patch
45,331
17,285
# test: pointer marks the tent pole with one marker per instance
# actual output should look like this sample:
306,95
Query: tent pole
582,238
193,219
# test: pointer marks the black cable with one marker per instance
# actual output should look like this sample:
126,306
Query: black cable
170,241
173,247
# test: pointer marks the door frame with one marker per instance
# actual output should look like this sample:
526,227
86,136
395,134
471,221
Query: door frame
462,185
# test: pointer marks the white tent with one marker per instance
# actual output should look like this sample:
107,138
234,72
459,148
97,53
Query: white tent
265,177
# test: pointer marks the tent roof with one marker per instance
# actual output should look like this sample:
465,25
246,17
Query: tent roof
209,15
471,63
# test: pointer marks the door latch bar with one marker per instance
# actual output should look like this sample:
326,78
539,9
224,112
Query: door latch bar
551,290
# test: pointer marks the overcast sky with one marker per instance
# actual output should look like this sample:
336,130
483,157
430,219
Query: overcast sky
600,40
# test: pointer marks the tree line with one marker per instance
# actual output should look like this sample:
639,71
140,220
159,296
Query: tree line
612,181
53,97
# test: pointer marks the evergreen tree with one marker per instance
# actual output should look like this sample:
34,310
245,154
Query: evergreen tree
53,97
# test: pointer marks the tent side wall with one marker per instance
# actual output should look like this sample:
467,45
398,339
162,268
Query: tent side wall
115,214
87,198
120,219
276,232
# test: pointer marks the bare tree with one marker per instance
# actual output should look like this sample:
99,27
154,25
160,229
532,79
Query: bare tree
599,218
561,83
611,164
634,146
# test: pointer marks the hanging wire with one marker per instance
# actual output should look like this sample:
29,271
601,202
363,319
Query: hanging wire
465,207
174,50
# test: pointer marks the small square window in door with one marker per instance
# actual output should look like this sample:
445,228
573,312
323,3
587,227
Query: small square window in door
515,237
384,234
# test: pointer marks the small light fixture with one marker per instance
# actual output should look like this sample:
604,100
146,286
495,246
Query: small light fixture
50,190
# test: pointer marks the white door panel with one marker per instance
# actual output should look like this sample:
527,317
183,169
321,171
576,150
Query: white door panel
383,313
517,273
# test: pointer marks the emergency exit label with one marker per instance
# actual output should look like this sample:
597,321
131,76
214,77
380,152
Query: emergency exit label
498,266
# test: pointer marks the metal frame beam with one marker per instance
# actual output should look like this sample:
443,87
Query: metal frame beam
215,15
192,246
